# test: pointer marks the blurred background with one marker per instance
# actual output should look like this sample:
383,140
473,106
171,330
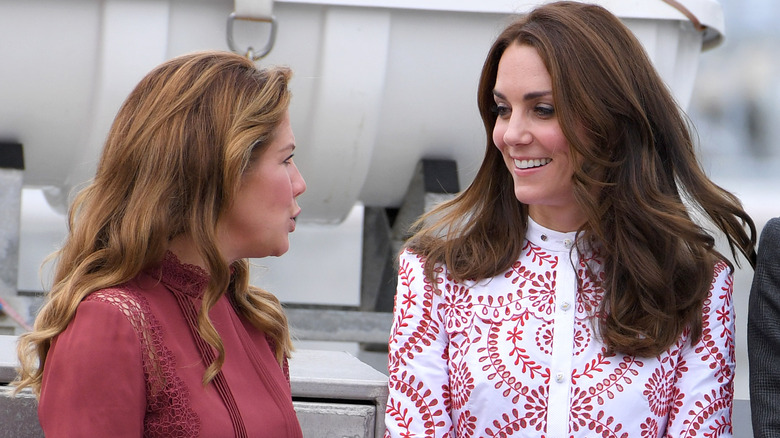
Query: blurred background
737,97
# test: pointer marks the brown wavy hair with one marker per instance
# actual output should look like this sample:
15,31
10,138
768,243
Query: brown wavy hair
171,165
637,179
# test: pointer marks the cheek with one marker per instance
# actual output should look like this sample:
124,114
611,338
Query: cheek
560,146
279,192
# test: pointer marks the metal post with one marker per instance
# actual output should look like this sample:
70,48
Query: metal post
11,172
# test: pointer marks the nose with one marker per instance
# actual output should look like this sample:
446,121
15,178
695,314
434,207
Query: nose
298,183
517,131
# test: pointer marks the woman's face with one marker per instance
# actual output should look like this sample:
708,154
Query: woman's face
263,212
531,141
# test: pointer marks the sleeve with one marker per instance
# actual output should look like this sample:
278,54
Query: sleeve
93,378
763,328
704,391
418,372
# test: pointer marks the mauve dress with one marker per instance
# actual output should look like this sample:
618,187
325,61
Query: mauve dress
130,364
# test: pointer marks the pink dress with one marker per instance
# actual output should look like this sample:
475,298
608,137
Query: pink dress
130,364
518,355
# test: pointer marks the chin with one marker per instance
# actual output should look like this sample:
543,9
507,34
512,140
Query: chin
278,252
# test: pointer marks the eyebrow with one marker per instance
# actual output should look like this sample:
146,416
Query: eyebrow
528,96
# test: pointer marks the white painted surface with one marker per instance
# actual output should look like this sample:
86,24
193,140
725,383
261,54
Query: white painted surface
378,84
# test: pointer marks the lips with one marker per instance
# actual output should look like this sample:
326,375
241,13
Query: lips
532,163
293,220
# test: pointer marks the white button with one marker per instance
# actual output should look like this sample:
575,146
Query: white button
565,305
567,243
559,377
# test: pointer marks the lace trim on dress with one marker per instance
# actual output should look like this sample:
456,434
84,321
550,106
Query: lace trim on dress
168,409
190,279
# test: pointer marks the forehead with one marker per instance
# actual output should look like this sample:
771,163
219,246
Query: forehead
282,139
520,66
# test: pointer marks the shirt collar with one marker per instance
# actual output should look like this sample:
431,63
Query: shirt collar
549,239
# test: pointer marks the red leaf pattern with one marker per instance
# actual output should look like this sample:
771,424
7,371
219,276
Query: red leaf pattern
479,359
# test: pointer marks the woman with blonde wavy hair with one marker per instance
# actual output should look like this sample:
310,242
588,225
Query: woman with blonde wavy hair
151,328
568,291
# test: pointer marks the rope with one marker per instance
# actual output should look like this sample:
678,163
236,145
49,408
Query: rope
8,310
685,11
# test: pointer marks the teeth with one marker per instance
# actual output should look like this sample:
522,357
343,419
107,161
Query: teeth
527,164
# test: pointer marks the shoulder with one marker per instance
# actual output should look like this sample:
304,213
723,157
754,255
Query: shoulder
411,256
719,300
411,261
769,245
721,273
771,232
125,301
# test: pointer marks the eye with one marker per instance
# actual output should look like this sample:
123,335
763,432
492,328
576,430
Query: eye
501,110
544,111
289,159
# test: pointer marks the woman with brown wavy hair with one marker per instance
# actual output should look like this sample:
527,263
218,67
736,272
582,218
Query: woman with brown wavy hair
568,291
151,328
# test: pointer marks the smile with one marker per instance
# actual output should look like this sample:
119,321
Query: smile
530,164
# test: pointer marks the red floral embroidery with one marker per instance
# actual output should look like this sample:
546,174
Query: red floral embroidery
582,337
713,403
649,428
427,408
466,424
540,256
659,391
462,385
425,331
495,340
457,307
544,337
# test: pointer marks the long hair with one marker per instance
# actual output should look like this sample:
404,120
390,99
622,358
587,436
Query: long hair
171,165
636,171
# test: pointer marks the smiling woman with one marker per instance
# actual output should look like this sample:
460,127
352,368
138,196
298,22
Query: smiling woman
568,290
531,141
151,327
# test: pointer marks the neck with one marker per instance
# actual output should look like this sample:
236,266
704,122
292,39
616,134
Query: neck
184,249
564,220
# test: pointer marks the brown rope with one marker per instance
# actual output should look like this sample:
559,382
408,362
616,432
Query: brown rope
685,11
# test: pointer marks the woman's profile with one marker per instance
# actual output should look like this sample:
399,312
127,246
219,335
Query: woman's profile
151,327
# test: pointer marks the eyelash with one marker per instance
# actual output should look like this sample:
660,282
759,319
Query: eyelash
543,111
288,160
500,110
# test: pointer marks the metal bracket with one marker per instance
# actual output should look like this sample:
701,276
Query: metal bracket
250,51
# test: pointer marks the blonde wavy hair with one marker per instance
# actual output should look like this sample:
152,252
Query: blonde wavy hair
172,163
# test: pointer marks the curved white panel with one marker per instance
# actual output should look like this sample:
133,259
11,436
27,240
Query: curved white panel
378,84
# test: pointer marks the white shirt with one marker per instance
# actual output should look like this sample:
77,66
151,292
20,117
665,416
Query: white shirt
518,355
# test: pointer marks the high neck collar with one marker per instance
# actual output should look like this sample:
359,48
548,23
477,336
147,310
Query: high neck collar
548,239
188,279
